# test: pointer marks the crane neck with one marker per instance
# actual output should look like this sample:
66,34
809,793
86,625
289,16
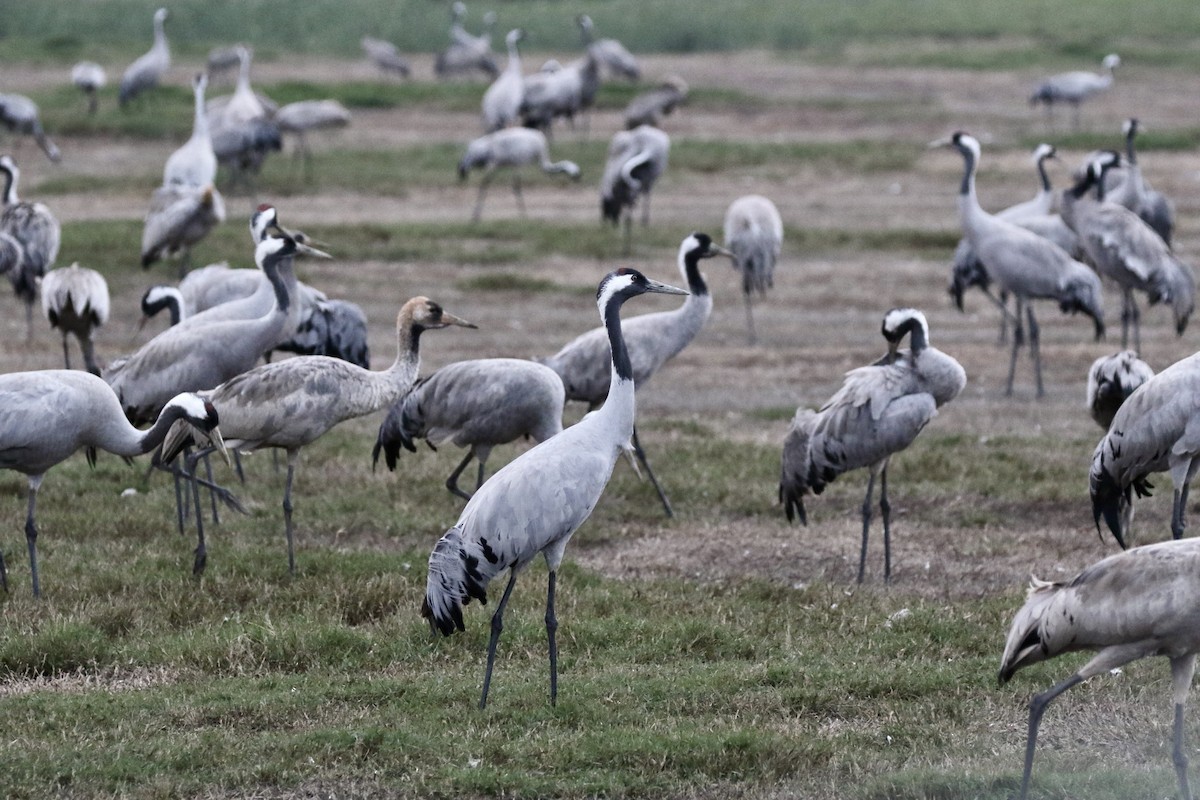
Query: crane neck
514,57
11,176
968,182
243,81
689,267
281,273
160,35
620,401
1043,177
1130,152
200,118
126,440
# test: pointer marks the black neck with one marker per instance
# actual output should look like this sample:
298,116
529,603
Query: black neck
277,269
1041,167
616,340
1130,155
691,266
9,185
917,340
969,159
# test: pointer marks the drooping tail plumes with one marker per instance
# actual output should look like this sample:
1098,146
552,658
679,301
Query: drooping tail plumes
793,479
454,580
1024,645
1109,499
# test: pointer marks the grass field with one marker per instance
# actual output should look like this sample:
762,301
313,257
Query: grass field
718,654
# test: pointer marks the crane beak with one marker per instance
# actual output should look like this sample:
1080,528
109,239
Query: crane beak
450,319
218,442
304,249
945,141
717,250
663,288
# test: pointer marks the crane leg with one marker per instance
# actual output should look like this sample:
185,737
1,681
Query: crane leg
89,355
1135,318
1037,707
29,322
641,454
201,559
216,518
866,519
287,510
31,533
483,185
180,502
1126,317
628,233
517,192
1182,670
497,626
66,351
885,509
753,337
1018,342
1002,301
479,474
452,481
1035,349
646,209
551,627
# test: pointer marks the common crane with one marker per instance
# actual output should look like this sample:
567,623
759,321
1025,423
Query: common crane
148,69
19,114
194,164
649,107
466,52
310,115
1075,87
86,414
537,501
610,52
501,103
1154,208
635,161
1022,263
243,134
385,56
291,403
1139,603
180,215
36,230
878,412
754,234
652,341
476,404
89,77
75,300
1111,380
509,148
559,91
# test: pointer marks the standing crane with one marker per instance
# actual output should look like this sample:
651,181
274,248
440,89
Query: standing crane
502,101
635,161
291,403
1126,250
1153,431
194,164
475,404
310,115
148,69
385,55
89,78
466,52
1075,87
20,114
1111,380
649,107
47,416
75,300
754,234
652,340
878,412
36,231
510,148
243,134
537,501
1139,603
1022,263
179,216
610,52
1153,207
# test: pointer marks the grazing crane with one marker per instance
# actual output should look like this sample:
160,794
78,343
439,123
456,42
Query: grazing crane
385,56
243,133
148,69
636,159
20,114
878,412
754,234
1154,208
1037,215
467,53
89,77
1153,431
1111,380
537,501
47,416
652,340
180,215
558,91
1126,250
75,300
474,404
1075,87
1022,263
291,403
1139,603
609,52
310,115
194,164
649,107
36,231
502,101
509,148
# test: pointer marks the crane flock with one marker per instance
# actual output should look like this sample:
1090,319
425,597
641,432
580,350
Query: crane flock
196,384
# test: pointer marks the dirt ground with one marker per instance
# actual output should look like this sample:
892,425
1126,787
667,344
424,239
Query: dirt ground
820,320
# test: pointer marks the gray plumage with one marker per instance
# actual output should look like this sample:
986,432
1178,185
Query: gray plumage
89,77
243,134
75,300
1153,207
1127,251
1131,605
385,56
148,69
536,502
334,328
1022,263
651,339
1075,87
19,114
466,52
501,102
1111,380
509,148
649,107
561,92
194,164
1153,431
291,403
179,216
47,416
754,234
635,161
474,404
36,230
614,55
878,412
222,59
